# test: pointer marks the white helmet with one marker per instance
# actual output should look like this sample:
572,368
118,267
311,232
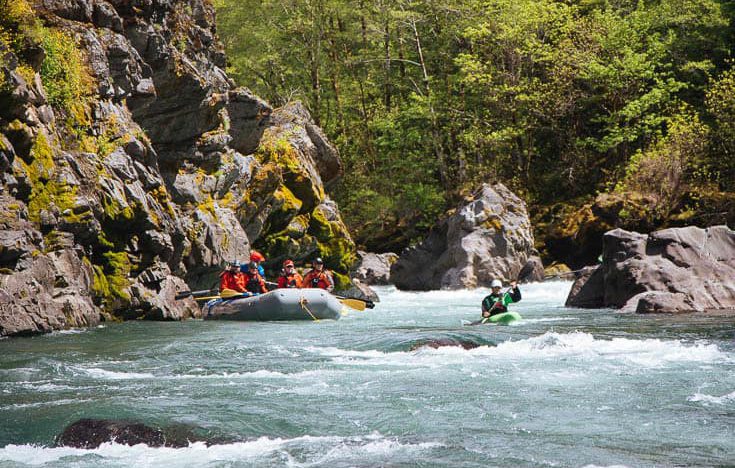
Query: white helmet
496,284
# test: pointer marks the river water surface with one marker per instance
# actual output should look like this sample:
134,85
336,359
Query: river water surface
563,387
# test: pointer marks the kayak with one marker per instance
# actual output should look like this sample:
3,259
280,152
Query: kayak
278,305
505,318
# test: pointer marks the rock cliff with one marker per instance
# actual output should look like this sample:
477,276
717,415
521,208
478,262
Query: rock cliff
131,166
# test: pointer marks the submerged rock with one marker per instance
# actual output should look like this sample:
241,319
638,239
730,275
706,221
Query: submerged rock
91,433
488,237
672,270
442,342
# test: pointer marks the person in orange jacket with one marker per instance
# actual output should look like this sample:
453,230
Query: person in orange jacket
318,277
254,281
232,278
290,278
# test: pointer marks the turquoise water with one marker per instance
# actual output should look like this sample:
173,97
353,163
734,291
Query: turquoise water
563,387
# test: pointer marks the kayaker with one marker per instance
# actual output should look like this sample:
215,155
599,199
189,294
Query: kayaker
256,257
318,277
497,302
232,278
254,281
289,278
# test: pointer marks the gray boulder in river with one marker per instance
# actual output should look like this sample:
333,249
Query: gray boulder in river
374,269
488,236
672,270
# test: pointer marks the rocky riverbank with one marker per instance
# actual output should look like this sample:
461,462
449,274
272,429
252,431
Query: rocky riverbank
132,167
672,270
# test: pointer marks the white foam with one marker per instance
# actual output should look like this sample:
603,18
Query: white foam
104,374
324,448
41,404
582,346
715,400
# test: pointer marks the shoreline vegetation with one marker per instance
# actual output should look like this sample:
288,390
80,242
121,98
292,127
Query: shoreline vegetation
599,115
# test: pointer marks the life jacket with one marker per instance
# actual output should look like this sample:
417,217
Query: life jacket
495,302
255,283
234,281
321,279
290,281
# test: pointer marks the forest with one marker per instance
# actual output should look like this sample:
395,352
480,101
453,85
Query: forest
568,103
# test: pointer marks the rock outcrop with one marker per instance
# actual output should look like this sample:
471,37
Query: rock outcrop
131,166
91,433
488,237
374,269
672,270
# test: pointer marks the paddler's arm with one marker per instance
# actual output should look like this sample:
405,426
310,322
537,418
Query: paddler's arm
514,295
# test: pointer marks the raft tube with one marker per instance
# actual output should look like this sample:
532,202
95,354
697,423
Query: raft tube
278,305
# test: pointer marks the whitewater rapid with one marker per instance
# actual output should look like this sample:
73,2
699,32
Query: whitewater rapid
563,387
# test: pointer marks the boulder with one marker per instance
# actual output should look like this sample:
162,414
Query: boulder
51,294
443,342
489,236
532,271
91,433
374,269
360,290
672,270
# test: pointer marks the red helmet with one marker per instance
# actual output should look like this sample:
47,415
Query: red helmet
288,263
256,256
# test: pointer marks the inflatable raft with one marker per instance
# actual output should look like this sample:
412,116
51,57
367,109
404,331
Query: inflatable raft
278,305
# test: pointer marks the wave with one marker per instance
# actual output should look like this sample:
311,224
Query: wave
579,345
716,400
320,450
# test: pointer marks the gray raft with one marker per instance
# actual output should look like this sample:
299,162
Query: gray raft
281,304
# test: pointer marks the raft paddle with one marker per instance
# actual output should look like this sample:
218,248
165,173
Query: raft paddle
185,294
226,294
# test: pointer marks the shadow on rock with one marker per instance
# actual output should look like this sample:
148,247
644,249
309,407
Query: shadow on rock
91,433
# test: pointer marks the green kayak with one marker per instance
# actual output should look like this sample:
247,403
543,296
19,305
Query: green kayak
505,318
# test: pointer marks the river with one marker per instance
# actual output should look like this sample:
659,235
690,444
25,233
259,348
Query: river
563,387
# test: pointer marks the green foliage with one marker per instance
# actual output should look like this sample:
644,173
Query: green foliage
670,167
426,99
64,72
720,103
47,192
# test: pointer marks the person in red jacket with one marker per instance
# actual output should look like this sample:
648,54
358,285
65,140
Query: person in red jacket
290,278
318,277
254,281
231,278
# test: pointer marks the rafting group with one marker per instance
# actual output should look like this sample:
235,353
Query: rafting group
249,279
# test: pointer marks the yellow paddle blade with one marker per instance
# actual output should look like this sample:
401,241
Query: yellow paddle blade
353,303
225,294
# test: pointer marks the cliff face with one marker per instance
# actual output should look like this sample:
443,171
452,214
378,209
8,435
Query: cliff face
131,165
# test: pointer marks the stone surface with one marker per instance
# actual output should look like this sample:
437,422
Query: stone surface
111,206
52,293
91,433
532,271
672,270
374,269
359,290
488,237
